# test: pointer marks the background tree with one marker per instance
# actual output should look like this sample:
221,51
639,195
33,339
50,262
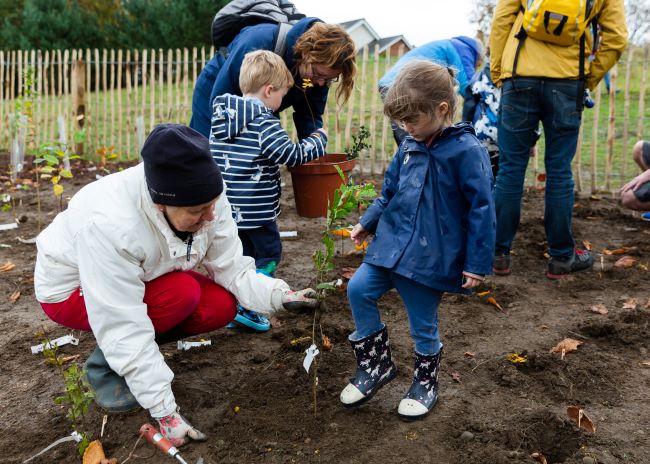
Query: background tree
481,16
637,13
59,24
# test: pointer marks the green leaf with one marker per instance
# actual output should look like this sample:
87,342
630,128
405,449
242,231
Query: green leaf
65,173
38,160
52,160
79,136
325,286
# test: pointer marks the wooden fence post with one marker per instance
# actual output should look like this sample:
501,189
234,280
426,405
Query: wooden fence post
594,143
642,84
79,101
610,128
626,114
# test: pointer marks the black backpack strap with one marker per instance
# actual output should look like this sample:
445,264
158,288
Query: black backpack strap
521,36
280,46
581,75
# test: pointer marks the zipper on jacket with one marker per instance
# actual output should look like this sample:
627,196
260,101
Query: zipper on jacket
189,246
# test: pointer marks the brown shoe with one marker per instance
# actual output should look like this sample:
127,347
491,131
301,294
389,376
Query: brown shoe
501,264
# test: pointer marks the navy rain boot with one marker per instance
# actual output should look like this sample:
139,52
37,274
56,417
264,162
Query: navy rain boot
375,368
111,392
423,394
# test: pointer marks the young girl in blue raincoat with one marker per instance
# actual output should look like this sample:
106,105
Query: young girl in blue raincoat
434,227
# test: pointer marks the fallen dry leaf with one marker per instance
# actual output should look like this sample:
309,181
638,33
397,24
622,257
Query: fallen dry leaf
348,272
94,454
539,457
620,251
469,354
493,302
587,244
643,267
14,296
599,308
541,177
482,294
645,363
455,376
362,247
630,303
275,322
578,415
342,232
8,266
327,343
647,304
625,262
566,346
299,340
515,358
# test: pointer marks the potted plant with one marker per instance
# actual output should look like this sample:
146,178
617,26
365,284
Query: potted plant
314,183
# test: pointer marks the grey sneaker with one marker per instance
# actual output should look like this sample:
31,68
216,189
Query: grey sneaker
560,267
501,264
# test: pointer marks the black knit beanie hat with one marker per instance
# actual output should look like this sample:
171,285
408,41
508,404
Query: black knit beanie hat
179,168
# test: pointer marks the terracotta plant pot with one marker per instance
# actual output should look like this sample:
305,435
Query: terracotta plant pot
315,182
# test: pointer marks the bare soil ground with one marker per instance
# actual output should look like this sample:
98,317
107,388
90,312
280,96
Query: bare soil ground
491,410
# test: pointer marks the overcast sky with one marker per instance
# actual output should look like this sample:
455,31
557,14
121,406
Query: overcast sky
420,21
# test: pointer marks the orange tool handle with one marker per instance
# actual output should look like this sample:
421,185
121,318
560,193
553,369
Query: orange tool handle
153,436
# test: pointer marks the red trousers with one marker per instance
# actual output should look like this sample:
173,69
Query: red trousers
186,299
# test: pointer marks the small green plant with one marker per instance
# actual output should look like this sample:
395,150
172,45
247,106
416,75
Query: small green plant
347,198
78,395
360,141
51,156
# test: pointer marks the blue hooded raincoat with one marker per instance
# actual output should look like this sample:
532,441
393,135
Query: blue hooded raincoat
435,217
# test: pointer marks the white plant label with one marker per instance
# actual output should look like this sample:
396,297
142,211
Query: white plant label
58,342
312,352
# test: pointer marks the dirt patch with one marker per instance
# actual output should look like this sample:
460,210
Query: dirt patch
495,412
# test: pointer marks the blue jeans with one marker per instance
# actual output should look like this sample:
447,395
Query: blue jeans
370,282
525,102
262,244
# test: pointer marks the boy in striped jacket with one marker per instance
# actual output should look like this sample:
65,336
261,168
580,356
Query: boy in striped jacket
249,145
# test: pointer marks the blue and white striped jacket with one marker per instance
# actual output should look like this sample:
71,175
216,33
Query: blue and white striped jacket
248,144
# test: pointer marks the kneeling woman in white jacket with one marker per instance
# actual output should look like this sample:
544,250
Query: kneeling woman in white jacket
118,262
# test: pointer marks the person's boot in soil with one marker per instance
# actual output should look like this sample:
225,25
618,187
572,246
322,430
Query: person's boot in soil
110,389
375,368
501,264
581,260
423,394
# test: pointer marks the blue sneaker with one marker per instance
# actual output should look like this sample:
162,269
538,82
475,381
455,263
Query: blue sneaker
646,216
250,319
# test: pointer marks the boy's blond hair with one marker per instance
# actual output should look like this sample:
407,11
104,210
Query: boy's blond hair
261,68
418,89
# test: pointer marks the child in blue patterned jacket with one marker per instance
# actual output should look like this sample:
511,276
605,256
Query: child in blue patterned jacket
434,227
248,144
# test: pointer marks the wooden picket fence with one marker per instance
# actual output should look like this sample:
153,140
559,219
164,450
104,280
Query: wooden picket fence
115,98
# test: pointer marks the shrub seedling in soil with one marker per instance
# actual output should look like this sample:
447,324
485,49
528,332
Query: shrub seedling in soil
347,198
360,141
78,395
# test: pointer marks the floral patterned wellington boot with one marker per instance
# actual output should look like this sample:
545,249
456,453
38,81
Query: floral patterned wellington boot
374,368
423,394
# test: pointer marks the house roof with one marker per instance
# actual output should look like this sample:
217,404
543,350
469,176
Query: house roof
383,42
351,25
386,42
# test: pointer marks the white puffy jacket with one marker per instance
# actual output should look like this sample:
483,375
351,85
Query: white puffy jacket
110,241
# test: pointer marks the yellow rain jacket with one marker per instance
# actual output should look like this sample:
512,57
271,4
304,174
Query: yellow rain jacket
543,59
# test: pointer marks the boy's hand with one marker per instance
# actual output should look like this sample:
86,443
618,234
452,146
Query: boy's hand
358,234
471,280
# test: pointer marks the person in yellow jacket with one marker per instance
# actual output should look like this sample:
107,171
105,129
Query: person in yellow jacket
547,84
